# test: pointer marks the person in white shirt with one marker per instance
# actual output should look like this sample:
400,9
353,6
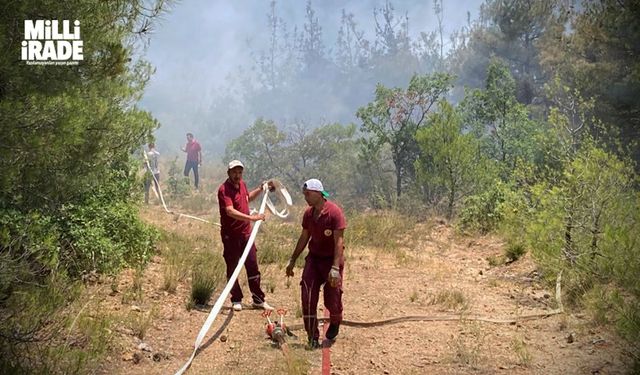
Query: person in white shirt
152,174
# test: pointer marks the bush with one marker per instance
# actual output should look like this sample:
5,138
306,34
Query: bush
514,251
44,254
483,212
178,184
42,332
588,227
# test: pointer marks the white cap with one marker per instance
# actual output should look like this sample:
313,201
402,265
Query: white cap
235,163
315,185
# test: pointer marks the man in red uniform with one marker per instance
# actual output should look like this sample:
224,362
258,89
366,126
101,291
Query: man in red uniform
323,226
194,158
233,199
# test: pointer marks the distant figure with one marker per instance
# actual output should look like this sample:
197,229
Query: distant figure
323,225
194,158
152,171
233,199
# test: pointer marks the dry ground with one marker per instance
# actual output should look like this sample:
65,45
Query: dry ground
438,273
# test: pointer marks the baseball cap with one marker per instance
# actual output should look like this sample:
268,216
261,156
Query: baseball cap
235,163
315,185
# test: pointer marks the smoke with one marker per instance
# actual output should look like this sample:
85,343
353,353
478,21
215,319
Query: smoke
207,81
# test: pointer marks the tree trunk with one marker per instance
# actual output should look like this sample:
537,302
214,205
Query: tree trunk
398,182
569,253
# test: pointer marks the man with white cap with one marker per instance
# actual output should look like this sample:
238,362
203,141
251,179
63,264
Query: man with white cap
235,223
323,225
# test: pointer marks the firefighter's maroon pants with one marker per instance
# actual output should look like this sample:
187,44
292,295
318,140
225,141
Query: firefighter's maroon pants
233,248
316,272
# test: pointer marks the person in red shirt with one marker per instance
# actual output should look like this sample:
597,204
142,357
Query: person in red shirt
235,223
194,158
323,225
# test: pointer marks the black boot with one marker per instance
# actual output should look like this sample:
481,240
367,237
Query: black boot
332,331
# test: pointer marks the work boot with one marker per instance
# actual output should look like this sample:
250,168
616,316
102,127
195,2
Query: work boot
313,344
332,331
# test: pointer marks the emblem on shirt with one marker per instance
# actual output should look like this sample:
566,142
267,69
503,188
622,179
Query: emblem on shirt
328,232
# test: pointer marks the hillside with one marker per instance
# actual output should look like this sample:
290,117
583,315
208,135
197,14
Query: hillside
431,271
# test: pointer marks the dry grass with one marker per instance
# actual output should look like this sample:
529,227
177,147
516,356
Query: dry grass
139,322
414,296
454,300
496,260
134,293
522,352
381,230
466,347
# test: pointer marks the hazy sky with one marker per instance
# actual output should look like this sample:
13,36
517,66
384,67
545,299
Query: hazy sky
199,43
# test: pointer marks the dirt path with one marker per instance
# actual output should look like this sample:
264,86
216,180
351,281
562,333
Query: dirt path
441,274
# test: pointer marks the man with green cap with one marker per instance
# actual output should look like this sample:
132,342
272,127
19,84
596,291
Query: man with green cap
323,225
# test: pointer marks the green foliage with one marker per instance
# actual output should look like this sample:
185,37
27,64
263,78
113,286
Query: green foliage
514,251
450,165
587,227
104,238
506,133
208,273
375,179
67,174
177,183
84,237
583,208
261,149
327,152
594,52
509,30
483,212
68,134
394,117
71,342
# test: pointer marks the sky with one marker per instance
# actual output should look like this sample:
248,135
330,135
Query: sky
198,44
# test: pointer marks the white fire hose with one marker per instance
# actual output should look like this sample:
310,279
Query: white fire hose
225,292
279,187
158,193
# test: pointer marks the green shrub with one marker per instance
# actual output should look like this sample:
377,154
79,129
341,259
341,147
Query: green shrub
42,332
482,212
208,273
514,251
177,183
588,227
44,253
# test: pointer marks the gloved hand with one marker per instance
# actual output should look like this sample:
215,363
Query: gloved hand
290,265
334,276
270,184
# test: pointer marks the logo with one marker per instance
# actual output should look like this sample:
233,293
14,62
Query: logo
51,42
328,232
